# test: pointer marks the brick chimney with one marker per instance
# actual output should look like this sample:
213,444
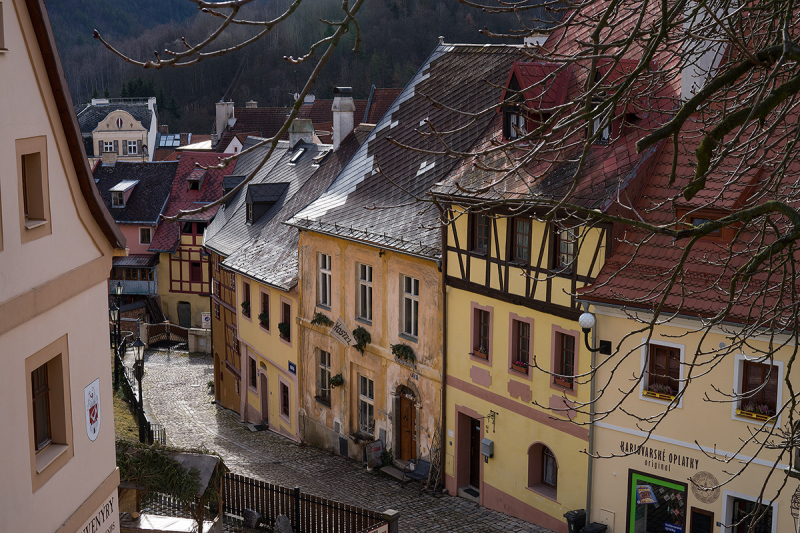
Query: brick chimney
301,130
343,109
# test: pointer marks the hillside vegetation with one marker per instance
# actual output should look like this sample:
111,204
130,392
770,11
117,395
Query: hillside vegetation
397,36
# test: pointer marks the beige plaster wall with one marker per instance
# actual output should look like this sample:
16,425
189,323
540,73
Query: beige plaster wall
377,363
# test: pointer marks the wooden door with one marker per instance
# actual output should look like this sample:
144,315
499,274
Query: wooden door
475,453
702,521
264,392
408,419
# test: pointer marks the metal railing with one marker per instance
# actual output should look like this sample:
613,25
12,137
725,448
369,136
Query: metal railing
149,432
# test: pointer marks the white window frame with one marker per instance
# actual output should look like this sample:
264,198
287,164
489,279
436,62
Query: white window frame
366,405
324,382
516,121
108,146
727,508
324,281
132,149
410,306
364,296
149,235
117,199
645,370
605,133
738,371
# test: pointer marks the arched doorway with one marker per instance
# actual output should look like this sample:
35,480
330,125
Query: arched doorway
406,424
264,393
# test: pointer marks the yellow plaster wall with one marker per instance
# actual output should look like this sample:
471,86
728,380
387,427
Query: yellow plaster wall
169,300
695,422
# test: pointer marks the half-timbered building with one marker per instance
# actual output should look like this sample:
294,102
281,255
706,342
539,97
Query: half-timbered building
514,350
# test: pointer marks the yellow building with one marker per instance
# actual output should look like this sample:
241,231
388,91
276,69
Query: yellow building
255,295
57,241
377,271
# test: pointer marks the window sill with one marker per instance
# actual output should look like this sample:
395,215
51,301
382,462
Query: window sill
752,416
3,50
46,457
364,321
562,384
34,223
408,337
658,395
519,371
326,403
324,307
545,491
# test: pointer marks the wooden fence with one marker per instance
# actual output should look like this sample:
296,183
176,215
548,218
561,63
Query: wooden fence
308,514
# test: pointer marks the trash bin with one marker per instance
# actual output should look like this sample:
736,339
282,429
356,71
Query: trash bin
594,527
575,520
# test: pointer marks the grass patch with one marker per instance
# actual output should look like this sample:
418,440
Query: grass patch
125,426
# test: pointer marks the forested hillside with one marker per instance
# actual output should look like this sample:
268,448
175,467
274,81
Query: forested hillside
397,36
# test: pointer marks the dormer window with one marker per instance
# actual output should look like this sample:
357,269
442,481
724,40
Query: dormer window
261,197
532,91
195,179
601,124
515,124
699,221
121,192
250,212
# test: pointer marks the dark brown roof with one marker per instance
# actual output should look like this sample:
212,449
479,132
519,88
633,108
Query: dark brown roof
69,121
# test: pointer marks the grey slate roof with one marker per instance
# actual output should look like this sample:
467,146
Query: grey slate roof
267,249
90,115
148,197
390,177
265,192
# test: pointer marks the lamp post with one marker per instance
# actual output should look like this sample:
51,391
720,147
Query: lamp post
116,317
587,321
138,372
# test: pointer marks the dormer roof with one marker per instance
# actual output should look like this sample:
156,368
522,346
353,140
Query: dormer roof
543,85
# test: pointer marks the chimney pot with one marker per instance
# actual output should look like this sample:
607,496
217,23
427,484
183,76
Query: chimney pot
343,109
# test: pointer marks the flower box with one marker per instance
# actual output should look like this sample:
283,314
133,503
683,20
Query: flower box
658,395
755,416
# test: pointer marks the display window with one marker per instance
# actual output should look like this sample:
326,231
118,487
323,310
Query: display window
655,504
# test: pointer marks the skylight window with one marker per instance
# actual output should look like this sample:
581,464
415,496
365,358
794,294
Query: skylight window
296,157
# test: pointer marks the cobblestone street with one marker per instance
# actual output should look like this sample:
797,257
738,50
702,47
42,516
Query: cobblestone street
175,387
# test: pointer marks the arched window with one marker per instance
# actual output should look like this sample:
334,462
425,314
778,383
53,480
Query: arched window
542,470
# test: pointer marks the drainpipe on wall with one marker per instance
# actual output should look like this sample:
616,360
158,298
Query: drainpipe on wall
592,395
443,431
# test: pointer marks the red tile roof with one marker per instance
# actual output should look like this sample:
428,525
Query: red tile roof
381,99
181,198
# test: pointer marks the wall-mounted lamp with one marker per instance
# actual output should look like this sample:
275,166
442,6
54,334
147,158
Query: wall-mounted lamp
587,321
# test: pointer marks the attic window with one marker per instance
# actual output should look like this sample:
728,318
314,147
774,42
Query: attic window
699,221
121,192
250,212
195,179
296,157
118,199
119,123
514,124
600,122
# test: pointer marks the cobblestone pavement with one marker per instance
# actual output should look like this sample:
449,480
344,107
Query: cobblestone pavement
175,387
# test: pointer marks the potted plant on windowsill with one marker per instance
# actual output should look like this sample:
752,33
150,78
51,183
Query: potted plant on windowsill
362,337
659,391
283,328
481,352
263,319
337,381
404,352
520,366
320,319
756,411
246,308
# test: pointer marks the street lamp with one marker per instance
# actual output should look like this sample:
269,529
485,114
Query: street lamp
114,312
116,316
587,321
138,372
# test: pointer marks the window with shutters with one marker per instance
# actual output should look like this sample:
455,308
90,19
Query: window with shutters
108,146
132,149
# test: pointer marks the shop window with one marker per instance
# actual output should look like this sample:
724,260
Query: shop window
324,382
522,240
364,296
521,346
662,379
324,281
542,471
253,373
144,236
750,517
284,399
656,504
480,233
366,405
565,360
410,320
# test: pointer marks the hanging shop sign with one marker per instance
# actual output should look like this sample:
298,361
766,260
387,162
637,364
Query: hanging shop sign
340,332
658,458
